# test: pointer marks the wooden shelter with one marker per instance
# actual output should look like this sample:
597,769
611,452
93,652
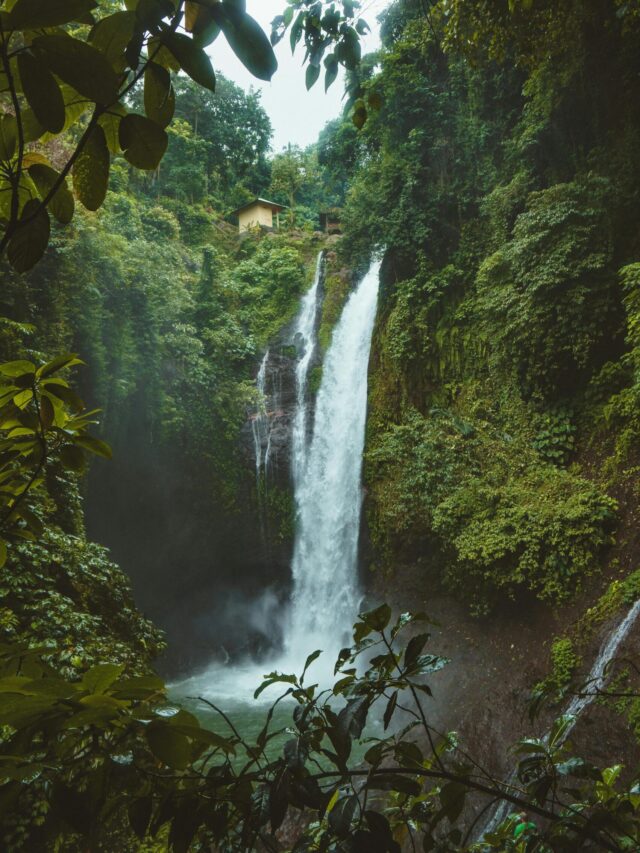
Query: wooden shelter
330,220
258,213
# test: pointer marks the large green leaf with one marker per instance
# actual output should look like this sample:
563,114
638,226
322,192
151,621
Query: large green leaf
377,619
247,40
101,676
201,21
75,105
311,75
42,92
91,170
139,815
72,458
112,35
170,746
94,445
34,14
193,60
80,65
143,141
151,12
31,239
341,815
331,71
62,204
8,136
159,95
110,123
32,130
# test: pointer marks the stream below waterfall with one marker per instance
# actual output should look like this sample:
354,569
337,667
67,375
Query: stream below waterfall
596,680
326,472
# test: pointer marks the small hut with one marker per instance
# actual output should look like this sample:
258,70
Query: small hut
330,220
258,214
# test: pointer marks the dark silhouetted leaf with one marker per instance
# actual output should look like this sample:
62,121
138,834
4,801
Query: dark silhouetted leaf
310,659
377,619
452,798
169,745
31,239
193,60
184,827
352,718
72,458
42,92
311,75
112,35
341,815
94,445
80,65
91,170
62,204
34,14
247,40
414,647
8,136
395,782
359,116
142,141
139,815
331,71
159,95
391,706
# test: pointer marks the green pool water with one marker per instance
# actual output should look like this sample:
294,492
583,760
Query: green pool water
231,690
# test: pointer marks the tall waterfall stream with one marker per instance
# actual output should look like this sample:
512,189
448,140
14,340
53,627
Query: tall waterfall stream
326,469
327,484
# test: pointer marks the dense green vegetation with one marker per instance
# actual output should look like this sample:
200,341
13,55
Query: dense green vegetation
171,314
504,189
492,152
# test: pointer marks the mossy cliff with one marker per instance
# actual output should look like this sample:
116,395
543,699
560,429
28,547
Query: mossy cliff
501,463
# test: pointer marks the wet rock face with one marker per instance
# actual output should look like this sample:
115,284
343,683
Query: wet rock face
268,430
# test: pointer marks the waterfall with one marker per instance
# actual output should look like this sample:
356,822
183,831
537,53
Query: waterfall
596,681
260,422
326,473
597,676
327,484
305,340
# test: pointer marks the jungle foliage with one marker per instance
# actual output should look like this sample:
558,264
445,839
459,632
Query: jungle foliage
497,164
500,175
112,761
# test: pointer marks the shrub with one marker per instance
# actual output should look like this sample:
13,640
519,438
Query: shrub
549,297
501,521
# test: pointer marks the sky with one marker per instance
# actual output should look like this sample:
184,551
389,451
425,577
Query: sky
297,116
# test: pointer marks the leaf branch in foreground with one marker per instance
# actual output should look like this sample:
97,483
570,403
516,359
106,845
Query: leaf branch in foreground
42,421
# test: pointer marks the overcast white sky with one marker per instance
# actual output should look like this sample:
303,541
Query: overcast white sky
297,116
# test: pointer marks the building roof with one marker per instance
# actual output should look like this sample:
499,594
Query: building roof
272,204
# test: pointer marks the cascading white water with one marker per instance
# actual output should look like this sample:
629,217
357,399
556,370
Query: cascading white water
304,337
327,485
597,676
596,681
260,422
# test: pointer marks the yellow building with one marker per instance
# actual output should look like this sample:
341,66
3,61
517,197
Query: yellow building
258,214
